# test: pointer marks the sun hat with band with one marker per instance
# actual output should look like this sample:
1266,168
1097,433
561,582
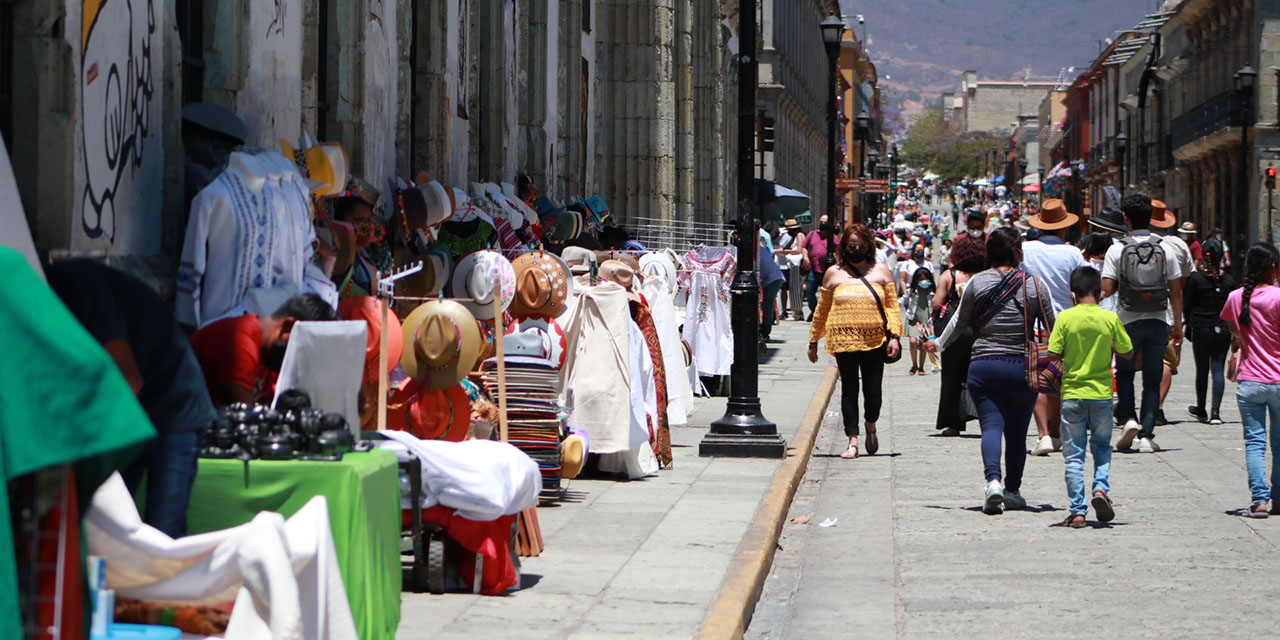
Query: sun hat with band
426,205
1161,216
441,344
1188,228
479,277
1053,215
1109,219
617,271
326,165
543,284
657,263
579,259
430,414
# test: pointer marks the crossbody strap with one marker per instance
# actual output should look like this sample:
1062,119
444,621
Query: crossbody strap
879,305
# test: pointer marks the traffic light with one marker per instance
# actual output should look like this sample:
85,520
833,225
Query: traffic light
1271,177
766,134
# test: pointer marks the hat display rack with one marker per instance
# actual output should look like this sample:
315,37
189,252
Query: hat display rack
386,291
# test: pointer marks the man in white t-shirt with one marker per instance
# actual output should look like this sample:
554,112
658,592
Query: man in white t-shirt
1163,224
1052,261
907,268
1144,312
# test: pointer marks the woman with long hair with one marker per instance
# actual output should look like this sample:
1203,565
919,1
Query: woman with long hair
919,305
1206,294
994,306
968,257
1253,313
859,302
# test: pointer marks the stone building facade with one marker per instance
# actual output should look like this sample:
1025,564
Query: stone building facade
994,105
631,101
794,89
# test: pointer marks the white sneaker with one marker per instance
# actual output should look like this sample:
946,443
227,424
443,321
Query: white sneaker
1043,447
1147,445
1131,429
1057,444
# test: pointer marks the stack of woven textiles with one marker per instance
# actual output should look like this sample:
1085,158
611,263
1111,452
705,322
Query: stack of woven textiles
533,415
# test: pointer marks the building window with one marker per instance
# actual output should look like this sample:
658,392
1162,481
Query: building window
190,18
586,15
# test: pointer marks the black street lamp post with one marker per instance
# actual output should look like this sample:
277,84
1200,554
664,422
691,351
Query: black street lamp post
743,431
873,158
1122,147
862,130
832,28
893,176
1245,78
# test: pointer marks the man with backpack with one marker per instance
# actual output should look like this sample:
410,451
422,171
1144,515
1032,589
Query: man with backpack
1144,274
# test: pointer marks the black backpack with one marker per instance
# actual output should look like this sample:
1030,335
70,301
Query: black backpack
1143,283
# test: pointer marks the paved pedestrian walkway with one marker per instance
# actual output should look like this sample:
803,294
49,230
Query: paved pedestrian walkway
912,555
640,559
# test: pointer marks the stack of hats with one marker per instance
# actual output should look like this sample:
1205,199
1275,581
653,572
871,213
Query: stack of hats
532,386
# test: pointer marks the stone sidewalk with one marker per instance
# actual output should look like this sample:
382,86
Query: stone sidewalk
641,559
912,555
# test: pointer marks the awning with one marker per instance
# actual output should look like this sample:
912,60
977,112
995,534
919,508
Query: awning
1030,178
1032,188
779,202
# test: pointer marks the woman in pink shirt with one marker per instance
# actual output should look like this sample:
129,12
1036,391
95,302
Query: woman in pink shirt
1253,313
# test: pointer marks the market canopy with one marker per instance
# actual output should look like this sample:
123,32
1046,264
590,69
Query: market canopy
1030,178
778,202
1032,188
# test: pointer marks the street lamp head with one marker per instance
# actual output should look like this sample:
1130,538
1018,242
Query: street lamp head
1245,78
1122,143
1022,163
874,155
862,122
832,29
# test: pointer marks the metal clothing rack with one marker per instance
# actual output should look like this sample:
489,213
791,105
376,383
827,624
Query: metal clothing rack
678,235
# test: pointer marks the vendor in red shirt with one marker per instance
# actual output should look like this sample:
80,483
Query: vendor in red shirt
241,356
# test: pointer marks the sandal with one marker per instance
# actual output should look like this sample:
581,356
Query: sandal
1258,510
851,452
1075,521
1102,506
873,443
913,371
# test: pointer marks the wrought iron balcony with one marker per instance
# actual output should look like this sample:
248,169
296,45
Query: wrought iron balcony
1214,114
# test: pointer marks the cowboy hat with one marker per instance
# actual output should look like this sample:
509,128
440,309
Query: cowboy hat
1053,215
659,264
480,276
792,224
441,344
1188,228
368,309
326,164
1109,219
430,414
542,285
617,271
579,259
573,453
557,339
437,265
599,210
426,205
625,257
1161,216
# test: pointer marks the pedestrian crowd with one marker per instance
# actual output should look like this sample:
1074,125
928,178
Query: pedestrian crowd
1081,339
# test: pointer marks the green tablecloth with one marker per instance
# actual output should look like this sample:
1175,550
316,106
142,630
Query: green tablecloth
363,491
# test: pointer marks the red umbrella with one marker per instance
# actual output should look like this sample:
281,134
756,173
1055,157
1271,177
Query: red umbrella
1031,188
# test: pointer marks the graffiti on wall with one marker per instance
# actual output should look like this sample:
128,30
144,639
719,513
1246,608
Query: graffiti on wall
118,168
278,16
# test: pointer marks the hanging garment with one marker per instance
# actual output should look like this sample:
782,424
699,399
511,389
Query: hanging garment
661,307
706,325
638,460
659,427
596,377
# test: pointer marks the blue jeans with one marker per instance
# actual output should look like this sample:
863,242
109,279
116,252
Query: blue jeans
766,307
1256,399
1079,418
999,389
170,468
1149,338
811,284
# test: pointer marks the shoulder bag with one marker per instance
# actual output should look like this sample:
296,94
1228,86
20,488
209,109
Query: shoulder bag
888,335
1043,374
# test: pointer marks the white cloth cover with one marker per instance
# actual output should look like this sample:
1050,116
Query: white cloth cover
596,378
482,479
282,574
326,359
662,308
639,460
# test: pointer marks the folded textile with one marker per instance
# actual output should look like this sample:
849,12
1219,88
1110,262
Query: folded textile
482,479
282,575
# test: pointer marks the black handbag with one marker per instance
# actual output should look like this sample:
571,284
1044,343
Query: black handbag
888,335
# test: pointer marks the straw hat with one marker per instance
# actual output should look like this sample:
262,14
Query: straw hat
617,271
480,276
326,164
1161,216
426,205
542,285
1053,215
573,453
792,224
579,259
441,344
1188,228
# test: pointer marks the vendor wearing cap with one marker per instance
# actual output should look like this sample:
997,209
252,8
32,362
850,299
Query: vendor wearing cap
1164,224
355,229
241,356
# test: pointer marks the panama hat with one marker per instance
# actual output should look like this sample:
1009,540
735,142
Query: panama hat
426,205
617,271
659,264
579,259
1109,219
1188,228
1053,215
792,224
480,276
1161,216
441,344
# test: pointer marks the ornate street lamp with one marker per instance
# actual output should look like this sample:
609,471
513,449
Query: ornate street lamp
832,28
1244,79
873,162
862,131
743,431
1122,146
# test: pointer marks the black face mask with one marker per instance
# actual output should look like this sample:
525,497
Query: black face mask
857,256
273,359
825,227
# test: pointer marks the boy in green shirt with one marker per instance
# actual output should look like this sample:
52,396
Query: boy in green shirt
1083,339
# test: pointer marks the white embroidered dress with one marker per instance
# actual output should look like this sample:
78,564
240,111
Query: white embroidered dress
707,277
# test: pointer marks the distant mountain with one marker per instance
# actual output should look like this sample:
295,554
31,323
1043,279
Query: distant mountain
921,46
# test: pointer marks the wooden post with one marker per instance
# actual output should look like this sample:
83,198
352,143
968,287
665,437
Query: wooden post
498,332
383,382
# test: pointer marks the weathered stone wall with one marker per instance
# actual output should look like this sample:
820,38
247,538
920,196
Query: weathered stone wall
997,107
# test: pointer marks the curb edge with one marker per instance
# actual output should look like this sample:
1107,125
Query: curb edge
744,580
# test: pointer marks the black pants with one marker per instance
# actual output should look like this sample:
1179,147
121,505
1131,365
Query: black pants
867,367
955,371
1210,348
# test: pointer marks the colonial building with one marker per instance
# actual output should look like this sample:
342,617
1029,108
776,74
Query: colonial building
994,105
633,101
860,95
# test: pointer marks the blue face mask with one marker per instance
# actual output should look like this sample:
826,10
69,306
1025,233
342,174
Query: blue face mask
924,284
